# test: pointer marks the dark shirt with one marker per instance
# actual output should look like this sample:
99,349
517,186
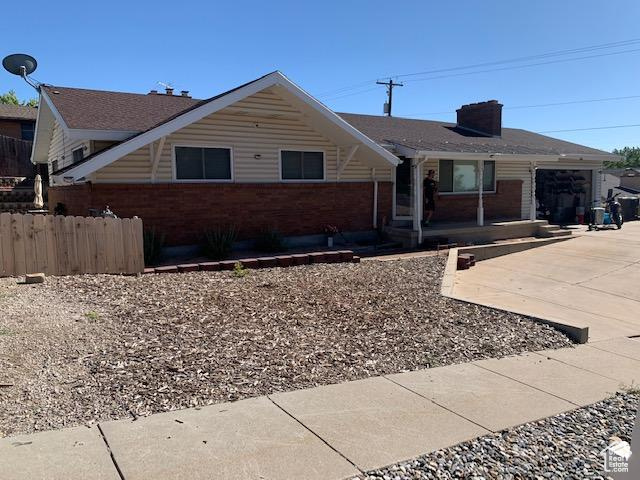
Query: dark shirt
430,187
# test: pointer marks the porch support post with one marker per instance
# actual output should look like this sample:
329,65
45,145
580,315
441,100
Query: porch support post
480,191
417,196
532,208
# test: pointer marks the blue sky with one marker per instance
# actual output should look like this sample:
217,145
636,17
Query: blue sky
324,46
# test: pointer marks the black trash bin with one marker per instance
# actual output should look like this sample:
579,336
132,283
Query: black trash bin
629,207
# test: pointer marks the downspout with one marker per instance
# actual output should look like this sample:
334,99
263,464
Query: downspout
480,191
375,198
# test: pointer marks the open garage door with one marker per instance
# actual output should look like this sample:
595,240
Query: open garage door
563,196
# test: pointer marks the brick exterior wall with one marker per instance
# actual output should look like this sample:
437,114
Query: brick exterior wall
184,210
504,204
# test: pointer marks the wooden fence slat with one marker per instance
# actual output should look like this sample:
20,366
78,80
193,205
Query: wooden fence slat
90,253
110,247
119,247
52,252
30,250
17,236
127,245
80,239
101,246
138,239
40,243
7,267
62,247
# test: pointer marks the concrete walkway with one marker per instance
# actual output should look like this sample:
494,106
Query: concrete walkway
590,281
330,432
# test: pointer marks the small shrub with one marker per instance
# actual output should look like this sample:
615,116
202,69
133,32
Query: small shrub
93,316
270,240
239,270
153,243
218,242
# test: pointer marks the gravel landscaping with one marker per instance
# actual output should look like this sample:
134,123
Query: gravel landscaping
565,446
85,348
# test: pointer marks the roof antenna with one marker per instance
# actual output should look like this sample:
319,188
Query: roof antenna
22,65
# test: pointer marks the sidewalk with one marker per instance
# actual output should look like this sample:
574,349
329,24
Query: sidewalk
335,431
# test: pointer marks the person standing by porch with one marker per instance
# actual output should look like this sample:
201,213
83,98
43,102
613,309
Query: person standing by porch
430,188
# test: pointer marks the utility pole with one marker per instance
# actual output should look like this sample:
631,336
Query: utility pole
390,85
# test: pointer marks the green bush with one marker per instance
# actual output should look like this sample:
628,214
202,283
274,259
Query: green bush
270,241
218,242
153,243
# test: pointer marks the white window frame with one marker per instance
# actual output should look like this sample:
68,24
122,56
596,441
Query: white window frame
474,192
303,149
174,170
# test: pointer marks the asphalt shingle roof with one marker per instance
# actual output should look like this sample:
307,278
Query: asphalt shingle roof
102,110
105,110
17,112
442,136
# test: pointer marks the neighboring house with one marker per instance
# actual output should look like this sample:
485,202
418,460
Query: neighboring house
268,155
17,124
17,121
622,181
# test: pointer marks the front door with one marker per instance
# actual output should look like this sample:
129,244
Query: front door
404,205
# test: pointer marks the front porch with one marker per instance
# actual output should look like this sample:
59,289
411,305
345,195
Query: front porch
467,232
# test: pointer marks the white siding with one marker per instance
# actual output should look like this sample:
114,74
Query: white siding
259,125
61,148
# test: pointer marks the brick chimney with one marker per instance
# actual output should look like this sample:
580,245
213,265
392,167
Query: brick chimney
169,90
482,117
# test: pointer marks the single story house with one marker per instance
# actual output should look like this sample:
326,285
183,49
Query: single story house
267,155
17,173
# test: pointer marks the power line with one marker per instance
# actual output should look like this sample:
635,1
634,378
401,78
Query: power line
590,128
498,69
515,67
517,107
497,62
557,53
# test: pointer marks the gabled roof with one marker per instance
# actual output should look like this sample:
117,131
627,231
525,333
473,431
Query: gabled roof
317,111
102,110
429,135
17,112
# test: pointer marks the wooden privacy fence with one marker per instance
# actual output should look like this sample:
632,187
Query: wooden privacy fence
59,245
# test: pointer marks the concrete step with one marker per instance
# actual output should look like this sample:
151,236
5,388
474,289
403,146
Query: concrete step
554,233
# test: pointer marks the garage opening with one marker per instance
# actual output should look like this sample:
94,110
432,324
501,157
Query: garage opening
563,196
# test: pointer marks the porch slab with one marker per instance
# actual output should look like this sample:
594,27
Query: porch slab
375,422
248,439
617,367
570,383
484,397
77,453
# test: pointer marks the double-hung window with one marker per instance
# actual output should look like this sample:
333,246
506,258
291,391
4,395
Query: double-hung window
203,163
301,165
463,176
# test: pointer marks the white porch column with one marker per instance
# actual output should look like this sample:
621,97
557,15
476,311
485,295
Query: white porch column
533,209
480,191
416,164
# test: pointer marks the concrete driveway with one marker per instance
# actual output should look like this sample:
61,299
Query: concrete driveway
591,281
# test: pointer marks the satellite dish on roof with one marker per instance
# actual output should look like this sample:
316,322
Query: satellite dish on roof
23,65
20,64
